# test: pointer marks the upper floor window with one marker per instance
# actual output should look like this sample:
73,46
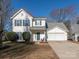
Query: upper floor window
37,22
26,22
22,22
18,22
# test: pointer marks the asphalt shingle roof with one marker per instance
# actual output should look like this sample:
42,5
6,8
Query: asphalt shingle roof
52,25
75,28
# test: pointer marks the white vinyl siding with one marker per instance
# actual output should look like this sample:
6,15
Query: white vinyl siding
25,19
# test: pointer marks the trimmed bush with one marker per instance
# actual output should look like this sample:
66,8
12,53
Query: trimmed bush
11,36
26,36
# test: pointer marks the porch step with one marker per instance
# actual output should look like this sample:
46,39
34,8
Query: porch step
20,40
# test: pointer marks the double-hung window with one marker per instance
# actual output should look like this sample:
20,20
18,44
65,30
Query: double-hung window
22,22
38,23
18,22
26,23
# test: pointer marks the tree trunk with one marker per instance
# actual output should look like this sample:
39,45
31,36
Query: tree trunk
1,30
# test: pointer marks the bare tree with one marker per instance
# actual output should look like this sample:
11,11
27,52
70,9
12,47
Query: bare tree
62,14
4,9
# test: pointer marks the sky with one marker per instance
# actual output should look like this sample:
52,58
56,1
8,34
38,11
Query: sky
43,7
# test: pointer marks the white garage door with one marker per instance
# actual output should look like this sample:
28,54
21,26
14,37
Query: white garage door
57,37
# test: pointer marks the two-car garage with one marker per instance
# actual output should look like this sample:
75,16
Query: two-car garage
57,37
57,33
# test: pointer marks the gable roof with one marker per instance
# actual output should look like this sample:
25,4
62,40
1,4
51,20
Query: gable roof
75,28
19,12
52,25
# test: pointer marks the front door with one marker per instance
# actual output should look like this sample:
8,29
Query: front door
38,36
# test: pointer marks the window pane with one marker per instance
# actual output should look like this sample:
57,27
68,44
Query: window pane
23,22
40,22
15,22
35,22
20,24
28,22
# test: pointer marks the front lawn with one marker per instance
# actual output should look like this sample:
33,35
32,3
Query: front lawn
31,51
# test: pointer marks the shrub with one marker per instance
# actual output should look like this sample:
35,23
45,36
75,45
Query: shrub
12,36
26,36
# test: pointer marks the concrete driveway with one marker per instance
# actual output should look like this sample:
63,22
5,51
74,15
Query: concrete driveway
65,49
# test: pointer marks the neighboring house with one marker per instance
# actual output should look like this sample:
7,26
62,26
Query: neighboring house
75,29
22,21
75,32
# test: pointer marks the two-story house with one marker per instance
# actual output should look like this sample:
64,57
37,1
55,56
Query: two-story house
23,22
40,30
